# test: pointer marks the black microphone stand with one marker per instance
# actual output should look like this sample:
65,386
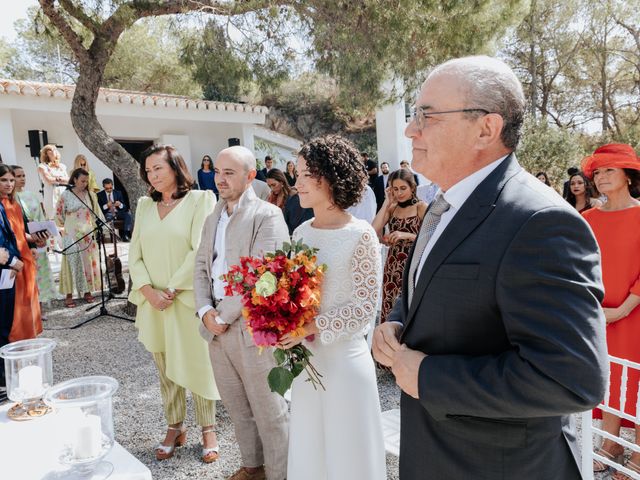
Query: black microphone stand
101,248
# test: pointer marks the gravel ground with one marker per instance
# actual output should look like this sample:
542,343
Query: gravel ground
109,346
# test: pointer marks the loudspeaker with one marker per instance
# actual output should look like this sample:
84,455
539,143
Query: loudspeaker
37,140
233,142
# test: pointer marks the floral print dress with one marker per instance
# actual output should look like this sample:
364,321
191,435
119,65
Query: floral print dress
80,267
32,209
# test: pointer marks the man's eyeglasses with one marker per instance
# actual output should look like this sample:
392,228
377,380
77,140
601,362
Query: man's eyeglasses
419,115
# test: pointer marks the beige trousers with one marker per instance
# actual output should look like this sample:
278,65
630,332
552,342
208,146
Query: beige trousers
260,417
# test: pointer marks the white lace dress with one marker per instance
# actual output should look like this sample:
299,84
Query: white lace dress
337,434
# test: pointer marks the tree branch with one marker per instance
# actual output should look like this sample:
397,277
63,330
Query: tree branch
77,13
67,32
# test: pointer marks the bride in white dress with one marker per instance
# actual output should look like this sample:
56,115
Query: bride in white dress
336,434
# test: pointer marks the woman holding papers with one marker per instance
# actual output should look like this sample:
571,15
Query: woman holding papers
34,212
27,320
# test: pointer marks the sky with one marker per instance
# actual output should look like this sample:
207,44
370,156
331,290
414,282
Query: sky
12,10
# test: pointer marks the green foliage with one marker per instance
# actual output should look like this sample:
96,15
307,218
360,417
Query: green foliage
221,73
547,148
146,59
370,42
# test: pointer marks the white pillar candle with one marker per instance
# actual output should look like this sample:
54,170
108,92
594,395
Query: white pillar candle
88,437
30,381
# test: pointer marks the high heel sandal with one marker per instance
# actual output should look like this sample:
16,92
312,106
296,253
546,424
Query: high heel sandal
209,455
164,452
599,466
634,467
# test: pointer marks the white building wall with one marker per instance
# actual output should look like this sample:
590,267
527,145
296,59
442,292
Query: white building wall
7,139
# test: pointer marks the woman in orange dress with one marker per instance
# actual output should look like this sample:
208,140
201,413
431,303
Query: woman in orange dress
27,320
615,169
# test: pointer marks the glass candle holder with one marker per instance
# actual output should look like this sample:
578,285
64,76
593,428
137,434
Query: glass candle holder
29,372
84,408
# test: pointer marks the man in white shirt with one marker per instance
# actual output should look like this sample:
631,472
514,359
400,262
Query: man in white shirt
498,335
241,225
365,209
111,202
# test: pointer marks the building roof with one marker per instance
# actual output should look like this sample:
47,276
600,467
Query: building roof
113,96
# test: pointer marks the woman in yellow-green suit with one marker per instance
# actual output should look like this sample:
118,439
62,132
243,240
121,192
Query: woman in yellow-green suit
161,261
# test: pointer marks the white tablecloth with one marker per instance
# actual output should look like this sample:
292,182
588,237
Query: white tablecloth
28,451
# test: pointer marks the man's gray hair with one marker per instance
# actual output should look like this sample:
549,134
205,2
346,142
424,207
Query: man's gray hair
243,154
490,84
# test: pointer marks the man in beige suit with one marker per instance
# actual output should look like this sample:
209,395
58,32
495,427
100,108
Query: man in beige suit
241,225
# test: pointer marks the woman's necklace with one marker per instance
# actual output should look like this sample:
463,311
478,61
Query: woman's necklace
169,204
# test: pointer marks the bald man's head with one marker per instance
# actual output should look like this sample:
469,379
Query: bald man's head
241,154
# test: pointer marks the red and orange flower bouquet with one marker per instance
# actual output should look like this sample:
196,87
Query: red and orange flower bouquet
281,294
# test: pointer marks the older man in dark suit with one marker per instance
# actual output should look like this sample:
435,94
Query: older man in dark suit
498,335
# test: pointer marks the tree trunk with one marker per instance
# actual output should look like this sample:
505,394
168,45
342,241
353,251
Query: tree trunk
88,128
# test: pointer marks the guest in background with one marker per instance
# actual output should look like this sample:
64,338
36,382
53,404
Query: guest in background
27,319
52,172
365,209
372,168
34,212
262,174
427,191
112,204
615,169
161,261
544,178
290,173
9,260
571,171
402,213
581,194
206,175
81,162
80,270
294,214
380,185
261,189
405,164
280,189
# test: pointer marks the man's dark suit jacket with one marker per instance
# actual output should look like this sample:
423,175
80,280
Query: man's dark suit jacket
378,189
507,308
117,197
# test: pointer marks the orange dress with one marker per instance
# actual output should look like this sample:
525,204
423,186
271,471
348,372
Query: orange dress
618,235
27,319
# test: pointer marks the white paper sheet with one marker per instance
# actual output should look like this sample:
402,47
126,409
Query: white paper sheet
48,225
6,280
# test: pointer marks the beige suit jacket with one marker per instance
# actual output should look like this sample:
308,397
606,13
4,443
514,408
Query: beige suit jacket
256,227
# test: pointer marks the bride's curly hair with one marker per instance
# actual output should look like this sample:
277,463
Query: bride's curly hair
339,162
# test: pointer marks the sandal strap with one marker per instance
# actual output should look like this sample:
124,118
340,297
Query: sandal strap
166,449
207,451
208,430
177,429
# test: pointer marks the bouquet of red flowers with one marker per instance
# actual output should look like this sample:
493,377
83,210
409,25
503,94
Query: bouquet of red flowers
281,294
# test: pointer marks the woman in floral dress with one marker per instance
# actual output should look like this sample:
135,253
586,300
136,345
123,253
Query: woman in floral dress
80,269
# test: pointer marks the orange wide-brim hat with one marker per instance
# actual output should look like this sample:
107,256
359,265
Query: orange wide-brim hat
613,155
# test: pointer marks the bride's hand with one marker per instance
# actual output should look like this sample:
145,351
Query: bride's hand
289,341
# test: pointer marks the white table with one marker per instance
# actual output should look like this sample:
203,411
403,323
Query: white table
28,451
